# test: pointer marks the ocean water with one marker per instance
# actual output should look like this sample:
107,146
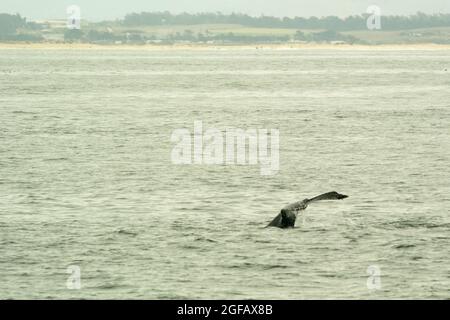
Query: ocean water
87,182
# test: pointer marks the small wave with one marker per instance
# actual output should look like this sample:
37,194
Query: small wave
172,297
250,265
274,266
56,159
189,247
263,241
330,275
205,239
420,223
126,232
23,112
108,286
404,246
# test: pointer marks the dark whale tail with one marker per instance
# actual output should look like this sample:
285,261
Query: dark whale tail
287,216
333,195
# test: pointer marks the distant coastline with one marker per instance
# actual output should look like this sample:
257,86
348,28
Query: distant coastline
216,30
197,46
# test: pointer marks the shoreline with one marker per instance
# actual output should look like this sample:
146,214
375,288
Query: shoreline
175,47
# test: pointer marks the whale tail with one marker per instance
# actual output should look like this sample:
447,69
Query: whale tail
286,218
333,195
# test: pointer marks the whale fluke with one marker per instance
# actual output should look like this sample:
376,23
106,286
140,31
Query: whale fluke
333,195
287,216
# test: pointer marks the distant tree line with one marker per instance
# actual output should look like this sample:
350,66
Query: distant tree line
355,22
9,24
313,29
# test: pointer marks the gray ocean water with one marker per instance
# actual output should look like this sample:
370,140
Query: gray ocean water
86,177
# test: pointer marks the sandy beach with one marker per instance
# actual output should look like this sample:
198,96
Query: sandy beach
293,46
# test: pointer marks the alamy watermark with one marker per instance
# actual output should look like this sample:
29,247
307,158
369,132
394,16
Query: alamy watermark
74,280
73,17
232,147
374,279
374,20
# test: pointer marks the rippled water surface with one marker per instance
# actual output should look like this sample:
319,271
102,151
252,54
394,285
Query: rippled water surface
86,177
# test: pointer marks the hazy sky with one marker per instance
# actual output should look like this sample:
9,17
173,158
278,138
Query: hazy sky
111,9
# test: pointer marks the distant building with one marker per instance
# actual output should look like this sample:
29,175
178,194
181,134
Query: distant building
153,41
51,24
338,42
